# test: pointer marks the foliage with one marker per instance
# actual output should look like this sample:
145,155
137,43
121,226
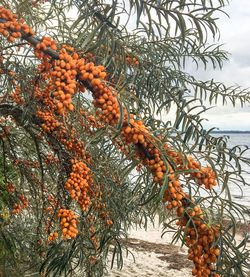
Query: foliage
86,88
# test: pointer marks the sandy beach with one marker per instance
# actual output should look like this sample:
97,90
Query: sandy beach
154,256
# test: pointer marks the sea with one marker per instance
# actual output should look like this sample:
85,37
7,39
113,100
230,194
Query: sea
240,195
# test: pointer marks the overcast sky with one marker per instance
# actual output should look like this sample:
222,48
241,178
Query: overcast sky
235,35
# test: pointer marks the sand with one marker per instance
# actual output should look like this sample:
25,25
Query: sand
154,256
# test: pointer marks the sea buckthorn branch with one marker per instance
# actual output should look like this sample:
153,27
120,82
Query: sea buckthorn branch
133,132
78,183
174,195
136,133
65,159
11,28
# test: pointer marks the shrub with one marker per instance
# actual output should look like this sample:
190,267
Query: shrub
86,147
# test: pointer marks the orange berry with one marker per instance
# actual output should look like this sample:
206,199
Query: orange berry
128,130
71,107
59,105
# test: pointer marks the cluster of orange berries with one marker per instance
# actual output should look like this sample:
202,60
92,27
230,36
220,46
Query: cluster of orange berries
13,28
200,239
204,175
45,43
157,165
204,259
24,201
75,146
53,236
80,177
50,123
135,133
53,124
138,134
42,46
18,207
174,193
201,249
105,97
78,183
68,223
16,96
53,107
90,72
64,80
